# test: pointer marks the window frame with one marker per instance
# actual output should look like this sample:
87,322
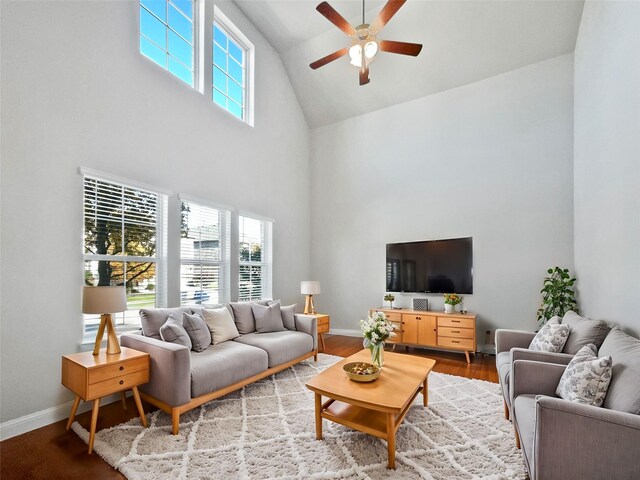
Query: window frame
224,264
234,33
160,258
266,257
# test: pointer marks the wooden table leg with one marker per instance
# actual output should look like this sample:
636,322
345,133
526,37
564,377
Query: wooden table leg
318,398
391,440
94,421
136,397
123,396
74,409
466,353
322,341
425,391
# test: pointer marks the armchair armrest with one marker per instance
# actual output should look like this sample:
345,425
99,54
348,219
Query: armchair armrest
537,356
528,377
573,440
508,339
170,369
308,324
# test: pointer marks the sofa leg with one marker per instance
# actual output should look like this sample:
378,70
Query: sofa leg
175,421
315,357
517,437
506,410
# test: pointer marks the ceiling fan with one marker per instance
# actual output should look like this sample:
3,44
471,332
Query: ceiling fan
365,46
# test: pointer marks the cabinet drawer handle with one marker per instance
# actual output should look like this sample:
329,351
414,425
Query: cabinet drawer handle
121,382
455,321
121,367
455,341
455,331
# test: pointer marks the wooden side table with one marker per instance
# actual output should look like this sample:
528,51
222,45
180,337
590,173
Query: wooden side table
92,377
323,326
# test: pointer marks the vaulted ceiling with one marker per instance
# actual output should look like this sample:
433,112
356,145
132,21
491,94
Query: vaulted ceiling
463,42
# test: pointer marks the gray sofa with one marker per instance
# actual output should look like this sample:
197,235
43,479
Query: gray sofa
181,379
561,439
512,345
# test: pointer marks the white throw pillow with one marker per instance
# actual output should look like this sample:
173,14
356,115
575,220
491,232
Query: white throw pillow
586,379
221,324
550,338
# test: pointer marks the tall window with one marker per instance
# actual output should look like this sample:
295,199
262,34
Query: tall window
232,55
123,245
167,36
204,254
255,258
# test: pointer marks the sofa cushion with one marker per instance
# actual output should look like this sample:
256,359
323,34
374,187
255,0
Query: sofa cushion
503,365
152,319
524,408
197,309
550,338
583,331
586,378
268,319
225,364
625,374
288,314
173,332
198,331
221,324
243,316
281,347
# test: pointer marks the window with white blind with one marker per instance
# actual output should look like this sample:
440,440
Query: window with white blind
204,253
124,238
255,258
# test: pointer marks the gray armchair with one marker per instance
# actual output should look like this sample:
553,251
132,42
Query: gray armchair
566,440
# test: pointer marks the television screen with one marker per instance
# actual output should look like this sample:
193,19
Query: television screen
434,266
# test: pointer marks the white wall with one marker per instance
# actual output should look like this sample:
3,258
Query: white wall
76,92
607,162
491,160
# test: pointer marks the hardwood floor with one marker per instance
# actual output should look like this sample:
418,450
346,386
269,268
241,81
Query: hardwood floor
51,452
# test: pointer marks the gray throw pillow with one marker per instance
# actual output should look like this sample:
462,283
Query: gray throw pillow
243,316
221,325
583,331
198,331
268,319
625,382
586,378
550,338
173,332
288,314
152,319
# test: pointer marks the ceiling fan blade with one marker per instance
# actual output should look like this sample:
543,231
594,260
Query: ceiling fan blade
388,11
364,75
334,17
403,48
329,58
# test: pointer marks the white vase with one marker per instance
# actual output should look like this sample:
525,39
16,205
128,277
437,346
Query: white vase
449,308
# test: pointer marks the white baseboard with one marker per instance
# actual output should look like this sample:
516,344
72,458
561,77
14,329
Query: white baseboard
18,426
346,332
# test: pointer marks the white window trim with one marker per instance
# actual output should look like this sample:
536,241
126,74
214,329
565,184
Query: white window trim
160,259
241,39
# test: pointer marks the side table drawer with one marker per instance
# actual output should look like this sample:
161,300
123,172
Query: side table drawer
323,328
117,384
119,369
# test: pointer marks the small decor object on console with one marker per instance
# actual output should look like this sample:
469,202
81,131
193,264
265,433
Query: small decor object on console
375,330
309,288
421,304
450,302
389,298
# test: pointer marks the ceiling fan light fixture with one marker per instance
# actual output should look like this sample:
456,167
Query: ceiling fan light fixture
355,52
370,49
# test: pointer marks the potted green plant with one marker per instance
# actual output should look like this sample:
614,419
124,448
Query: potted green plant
558,296
389,298
450,302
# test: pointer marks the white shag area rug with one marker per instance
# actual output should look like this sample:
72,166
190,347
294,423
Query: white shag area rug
267,430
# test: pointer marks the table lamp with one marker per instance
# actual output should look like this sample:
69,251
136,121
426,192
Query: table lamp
105,301
309,288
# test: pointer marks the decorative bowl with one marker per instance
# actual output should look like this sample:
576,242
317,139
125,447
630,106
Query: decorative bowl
362,371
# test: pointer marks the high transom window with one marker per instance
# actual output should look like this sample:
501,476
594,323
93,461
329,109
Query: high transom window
167,36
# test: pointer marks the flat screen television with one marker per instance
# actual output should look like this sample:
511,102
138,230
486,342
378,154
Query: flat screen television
433,266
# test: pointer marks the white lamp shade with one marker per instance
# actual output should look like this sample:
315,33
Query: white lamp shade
310,287
104,299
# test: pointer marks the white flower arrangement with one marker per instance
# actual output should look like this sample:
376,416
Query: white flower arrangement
376,329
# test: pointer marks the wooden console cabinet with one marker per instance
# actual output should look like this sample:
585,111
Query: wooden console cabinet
451,331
